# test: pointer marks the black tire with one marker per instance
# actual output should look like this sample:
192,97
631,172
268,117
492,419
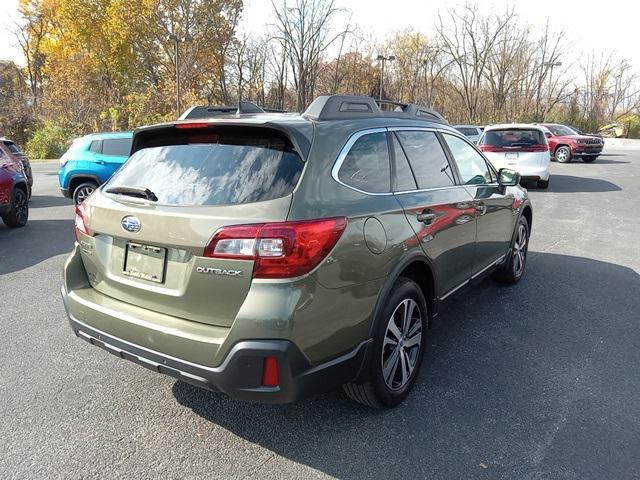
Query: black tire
19,213
589,159
375,391
83,190
563,154
513,270
543,184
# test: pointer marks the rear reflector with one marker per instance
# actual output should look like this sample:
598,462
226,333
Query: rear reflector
270,374
279,250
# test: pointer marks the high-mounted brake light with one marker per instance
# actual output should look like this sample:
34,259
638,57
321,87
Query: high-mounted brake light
279,250
82,221
191,125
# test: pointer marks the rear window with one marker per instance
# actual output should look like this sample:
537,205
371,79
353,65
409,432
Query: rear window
467,131
117,147
514,137
226,168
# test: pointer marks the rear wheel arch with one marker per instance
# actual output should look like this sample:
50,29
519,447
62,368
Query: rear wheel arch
76,180
528,214
416,267
22,186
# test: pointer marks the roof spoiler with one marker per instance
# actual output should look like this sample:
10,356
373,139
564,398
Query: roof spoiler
344,107
243,108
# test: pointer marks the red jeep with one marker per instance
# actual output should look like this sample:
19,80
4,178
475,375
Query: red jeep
565,143
14,206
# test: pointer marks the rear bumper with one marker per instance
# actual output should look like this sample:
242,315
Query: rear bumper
533,173
240,375
216,358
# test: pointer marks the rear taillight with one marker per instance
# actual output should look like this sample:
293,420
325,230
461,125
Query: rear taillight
82,222
488,148
539,148
527,148
279,250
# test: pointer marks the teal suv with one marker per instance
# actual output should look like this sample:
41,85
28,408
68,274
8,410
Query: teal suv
90,161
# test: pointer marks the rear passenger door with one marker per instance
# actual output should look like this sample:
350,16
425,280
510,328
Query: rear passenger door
440,211
113,153
493,209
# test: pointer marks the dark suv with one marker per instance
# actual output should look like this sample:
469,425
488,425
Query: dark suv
270,256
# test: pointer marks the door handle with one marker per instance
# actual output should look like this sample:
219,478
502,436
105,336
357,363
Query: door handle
427,217
481,208
101,162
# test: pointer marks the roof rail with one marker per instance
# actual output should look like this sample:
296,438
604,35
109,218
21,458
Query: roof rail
343,107
201,111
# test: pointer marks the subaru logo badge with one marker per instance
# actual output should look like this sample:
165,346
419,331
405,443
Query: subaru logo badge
131,224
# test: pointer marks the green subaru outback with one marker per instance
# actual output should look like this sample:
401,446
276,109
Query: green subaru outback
273,255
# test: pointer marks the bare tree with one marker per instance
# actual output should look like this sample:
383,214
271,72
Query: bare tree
469,39
305,28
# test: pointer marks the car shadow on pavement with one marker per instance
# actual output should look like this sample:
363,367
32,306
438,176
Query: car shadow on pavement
45,201
39,240
572,184
524,381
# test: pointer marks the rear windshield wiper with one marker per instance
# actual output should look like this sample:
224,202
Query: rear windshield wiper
139,192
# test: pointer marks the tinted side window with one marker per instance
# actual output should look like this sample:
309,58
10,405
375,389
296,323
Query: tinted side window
96,146
427,159
119,147
404,176
13,148
366,166
472,166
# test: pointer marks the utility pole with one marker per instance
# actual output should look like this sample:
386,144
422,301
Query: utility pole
177,40
382,59
550,65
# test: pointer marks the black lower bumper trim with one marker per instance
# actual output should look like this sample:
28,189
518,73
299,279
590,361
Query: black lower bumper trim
65,192
240,375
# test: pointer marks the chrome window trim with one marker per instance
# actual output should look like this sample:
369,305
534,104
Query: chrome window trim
357,135
345,151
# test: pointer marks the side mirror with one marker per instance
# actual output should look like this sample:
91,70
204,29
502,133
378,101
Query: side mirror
508,178
547,134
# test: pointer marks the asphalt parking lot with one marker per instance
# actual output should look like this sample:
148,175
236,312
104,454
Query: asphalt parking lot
536,381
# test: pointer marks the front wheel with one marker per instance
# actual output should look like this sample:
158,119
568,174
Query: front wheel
543,184
397,350
563,154
511,272
19,213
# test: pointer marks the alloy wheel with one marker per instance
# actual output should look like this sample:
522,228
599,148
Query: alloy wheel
402,343
84,193
520,251
21,207
562,155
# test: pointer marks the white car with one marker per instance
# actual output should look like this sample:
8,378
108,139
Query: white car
519,146
472,132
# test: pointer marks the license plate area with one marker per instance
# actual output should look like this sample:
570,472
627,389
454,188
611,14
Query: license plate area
511,155
145,262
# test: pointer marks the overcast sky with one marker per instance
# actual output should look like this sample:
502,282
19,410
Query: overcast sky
588,24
